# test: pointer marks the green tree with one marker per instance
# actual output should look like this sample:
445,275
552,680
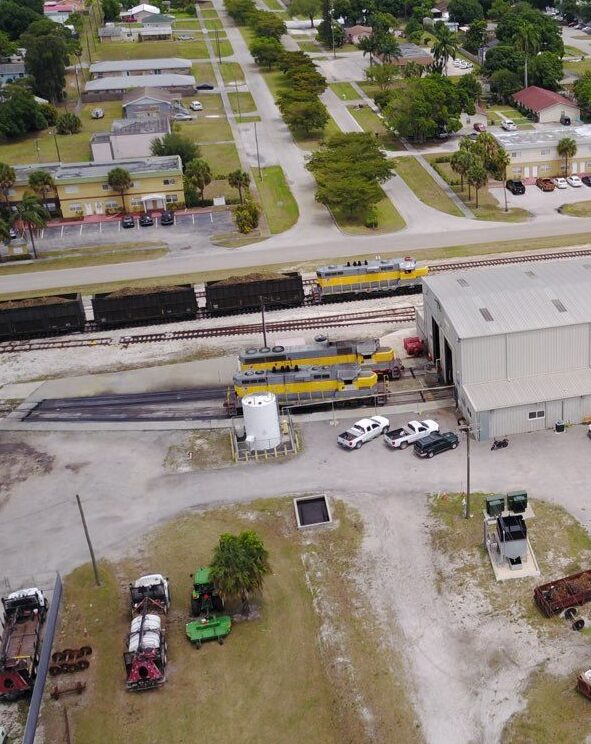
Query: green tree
307,79
15,18
465,12
348,193
382,75
501,163
19,111
445,45
4,233
247,217
265,23
306,117
175,144
7,181
412,70
45,62
120,180
330,34
308,8
68,124
30,213
41,182
369,45
527,40
503,83
499,9
7,47
240,10
111,10
266,52
239,566
388,47
476,36
460,163
545,71
567,148
198,175
240,180
469,88
582,91
477,176
548,32
504,58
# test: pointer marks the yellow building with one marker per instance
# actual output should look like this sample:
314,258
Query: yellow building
82,189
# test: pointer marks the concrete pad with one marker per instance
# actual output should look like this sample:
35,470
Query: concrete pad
18,390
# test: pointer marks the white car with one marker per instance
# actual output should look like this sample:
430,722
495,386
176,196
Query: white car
364,430
182,116
196,106
560,183
574,181
508,125
97,113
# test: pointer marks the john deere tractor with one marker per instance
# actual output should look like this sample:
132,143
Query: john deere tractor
204,597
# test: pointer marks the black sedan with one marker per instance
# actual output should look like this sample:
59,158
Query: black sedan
146,220
127,221
167,218
204,86
586,180
515,187
436,443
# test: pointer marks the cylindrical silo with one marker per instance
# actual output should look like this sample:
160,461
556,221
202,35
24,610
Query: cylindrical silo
261,421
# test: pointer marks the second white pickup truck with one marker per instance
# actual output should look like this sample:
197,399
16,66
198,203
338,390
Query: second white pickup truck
409,433
363,431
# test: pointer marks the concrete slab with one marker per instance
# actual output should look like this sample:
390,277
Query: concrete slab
19,390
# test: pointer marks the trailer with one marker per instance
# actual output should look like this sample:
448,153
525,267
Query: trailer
41,316
208,629
24,614
144,305
563,593
250,292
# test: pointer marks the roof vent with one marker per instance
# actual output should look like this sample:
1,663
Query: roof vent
485,312
531,274
559,306
462,282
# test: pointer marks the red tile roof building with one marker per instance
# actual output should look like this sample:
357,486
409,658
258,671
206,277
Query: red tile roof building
545,105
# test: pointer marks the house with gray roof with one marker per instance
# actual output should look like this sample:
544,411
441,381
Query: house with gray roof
158,66
113,88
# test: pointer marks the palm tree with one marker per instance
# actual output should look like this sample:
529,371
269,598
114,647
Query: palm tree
445,46
369,45
567,148
388,47
120,180
239,179
198,175
527,40
477,176
239,566
41,182
501,163
30,213
460,163
7,181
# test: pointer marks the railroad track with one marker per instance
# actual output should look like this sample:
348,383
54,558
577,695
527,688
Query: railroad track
59,343
505,260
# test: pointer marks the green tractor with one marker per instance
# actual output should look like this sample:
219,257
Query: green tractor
205,598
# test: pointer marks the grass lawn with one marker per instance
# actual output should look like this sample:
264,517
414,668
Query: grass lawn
247,34
187,22
309,46
118,50
497,113
222,158
578,67
570,51
281,209
232,72
273,79
220,187
225,48
212,104
75,259
212,23
274,5
211,13
488,207
278,678
203,73
389,220
242,103
73,148
371,122
579,209
345,91
369,88
207,130
422,183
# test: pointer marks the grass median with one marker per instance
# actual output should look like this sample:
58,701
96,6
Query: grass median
424,186
389,220
579,209
279,205
76,259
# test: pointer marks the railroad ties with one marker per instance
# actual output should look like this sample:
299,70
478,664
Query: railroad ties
8,347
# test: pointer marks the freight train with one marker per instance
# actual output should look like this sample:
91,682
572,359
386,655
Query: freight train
65,313
24,615
368,354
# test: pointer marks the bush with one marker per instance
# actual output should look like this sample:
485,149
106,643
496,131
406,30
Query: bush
50,113
247,217
371,218
68,124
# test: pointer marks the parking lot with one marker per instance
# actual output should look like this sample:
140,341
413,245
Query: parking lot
73,235
540,202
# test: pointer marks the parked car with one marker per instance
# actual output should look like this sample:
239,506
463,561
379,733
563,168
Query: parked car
204,86
565,120
167,218
560,183
574,181
436,443
196,106
146,220
479,126
364,430
508,125
127,221
411,432
586,180
97,113
185,37
515,187
546,184
182,116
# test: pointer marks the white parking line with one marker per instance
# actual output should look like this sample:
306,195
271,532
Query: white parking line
81,228
62,235
211,217
100,227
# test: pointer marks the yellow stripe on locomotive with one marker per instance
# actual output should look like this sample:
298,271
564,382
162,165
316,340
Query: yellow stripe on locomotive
379,275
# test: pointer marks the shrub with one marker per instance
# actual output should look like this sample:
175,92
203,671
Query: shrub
50,113
371,218
68,124
247,217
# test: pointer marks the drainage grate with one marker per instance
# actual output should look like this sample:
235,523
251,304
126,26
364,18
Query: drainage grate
311,511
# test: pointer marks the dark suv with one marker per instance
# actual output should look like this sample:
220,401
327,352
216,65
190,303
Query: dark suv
436,443
515,187
167,218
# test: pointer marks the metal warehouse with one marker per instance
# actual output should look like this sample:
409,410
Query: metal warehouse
515,341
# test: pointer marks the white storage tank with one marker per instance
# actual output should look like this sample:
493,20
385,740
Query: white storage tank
261,421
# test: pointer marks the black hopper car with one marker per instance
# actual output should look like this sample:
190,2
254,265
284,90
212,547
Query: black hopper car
131,306
238,294
41,316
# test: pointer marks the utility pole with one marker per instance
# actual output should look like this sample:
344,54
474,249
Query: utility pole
217,39
334,54
238,100
466,430
262,300
59,157
256,139
90,548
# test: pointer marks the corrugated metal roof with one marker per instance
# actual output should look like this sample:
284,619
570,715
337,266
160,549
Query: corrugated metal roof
488,396
124,82
125,65
521,297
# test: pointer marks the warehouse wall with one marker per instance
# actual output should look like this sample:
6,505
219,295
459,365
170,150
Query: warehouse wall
548,350
516,420
483,359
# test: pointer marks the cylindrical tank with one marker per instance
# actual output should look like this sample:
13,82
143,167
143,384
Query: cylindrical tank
261,421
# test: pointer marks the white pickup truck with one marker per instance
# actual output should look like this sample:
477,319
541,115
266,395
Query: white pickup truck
364,430
409,433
